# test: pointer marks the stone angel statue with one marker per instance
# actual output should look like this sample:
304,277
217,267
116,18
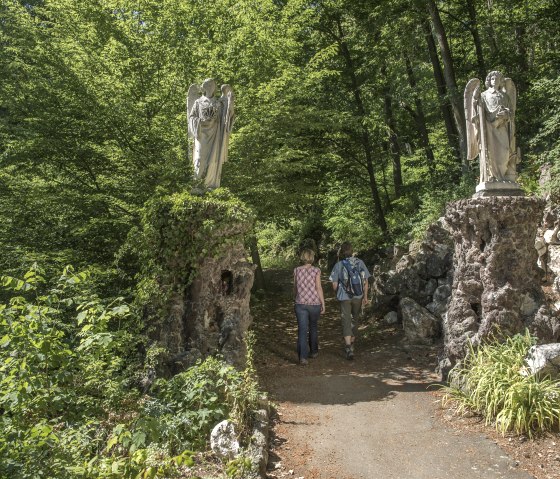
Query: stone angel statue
210,124
490,118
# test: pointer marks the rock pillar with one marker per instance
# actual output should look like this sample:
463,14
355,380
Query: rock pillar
496,286
195,283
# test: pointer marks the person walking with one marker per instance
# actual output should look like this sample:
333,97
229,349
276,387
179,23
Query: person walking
349,279
309,304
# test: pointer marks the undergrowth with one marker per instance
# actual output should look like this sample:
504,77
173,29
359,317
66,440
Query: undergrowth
69,396
494,382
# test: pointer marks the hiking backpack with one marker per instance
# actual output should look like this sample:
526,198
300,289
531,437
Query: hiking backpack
353,284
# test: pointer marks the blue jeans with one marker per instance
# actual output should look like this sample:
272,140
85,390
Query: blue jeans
308,336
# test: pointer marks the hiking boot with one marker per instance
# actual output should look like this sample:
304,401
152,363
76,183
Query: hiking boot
303,362
313,355
349,354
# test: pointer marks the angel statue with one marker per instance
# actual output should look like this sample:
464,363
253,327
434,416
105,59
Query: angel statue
210,123
490,117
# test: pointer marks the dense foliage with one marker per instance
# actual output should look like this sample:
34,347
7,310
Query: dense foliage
493,381
348,126
69,361
349,114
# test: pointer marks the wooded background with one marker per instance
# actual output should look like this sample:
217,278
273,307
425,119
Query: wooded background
350,119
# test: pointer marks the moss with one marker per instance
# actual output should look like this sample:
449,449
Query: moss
177,232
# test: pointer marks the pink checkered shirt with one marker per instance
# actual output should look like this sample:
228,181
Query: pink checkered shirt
306,291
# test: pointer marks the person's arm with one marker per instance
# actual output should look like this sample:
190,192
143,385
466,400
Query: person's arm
367,275
319,289
365,299
295,285
333,278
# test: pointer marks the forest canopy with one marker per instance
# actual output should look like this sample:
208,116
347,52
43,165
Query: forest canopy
350,125
349,113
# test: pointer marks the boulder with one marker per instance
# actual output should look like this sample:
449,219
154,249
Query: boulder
554,259
442,293
497,284
544,360
223,440
437,308
420,326
391,318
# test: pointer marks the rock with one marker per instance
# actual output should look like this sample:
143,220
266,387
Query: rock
442,293
540,245
391,318
550,236
418,274
420,326
544,360
554,259
223,440
406,262
497,284
437,308
431,286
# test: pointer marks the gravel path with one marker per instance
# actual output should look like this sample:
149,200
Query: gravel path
375,417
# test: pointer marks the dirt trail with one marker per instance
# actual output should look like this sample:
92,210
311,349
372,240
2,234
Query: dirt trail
374,417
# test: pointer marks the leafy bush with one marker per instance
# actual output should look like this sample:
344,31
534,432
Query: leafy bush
68,362
492,381
61,352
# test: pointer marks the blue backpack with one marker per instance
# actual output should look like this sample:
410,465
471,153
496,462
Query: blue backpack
352,284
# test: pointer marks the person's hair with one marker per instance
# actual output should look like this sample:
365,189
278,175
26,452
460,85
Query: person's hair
307,256
345,250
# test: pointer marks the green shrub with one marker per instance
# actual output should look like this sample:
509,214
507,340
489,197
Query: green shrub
68,363
493,381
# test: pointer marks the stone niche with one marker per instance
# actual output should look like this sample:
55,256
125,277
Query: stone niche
197,277
216,313
496,283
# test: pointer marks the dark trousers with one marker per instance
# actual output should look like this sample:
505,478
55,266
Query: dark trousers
308,335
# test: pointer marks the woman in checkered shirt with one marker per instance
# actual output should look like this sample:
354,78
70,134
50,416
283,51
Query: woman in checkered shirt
309,304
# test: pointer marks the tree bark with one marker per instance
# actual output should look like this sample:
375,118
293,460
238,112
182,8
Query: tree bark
256,257
366,142
476,38
450,82
445,106
420,118
394,148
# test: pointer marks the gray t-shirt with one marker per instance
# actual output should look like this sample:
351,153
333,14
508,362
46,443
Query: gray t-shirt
337,276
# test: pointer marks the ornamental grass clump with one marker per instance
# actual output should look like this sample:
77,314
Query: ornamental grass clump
493,381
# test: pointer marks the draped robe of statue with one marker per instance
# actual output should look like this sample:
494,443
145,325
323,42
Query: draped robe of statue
496,113
210,123
490,119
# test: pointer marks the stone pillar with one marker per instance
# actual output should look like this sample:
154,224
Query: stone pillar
496,285
195,283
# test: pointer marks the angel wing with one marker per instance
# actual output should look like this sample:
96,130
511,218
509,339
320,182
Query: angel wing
192,96
511,91
471,99
229,99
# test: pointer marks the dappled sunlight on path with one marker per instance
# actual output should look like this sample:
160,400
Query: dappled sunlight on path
368,418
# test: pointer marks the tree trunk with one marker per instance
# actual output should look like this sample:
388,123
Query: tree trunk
366,143
521,50
394,148
450,82
445,107
476,38
256,257
420,119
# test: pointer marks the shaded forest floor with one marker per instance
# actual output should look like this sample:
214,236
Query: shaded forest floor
376,416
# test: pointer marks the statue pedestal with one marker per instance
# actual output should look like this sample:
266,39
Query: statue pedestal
498,188
496,282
